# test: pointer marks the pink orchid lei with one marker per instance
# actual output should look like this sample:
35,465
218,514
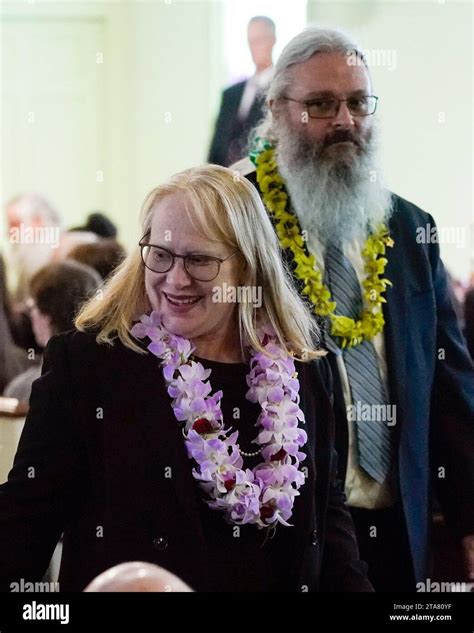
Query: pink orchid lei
265,494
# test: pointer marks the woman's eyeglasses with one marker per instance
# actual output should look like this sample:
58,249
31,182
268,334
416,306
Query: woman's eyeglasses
198,267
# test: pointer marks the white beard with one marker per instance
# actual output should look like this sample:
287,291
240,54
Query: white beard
337,196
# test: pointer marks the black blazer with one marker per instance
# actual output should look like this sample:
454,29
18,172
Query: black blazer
91,460
431,382
230,139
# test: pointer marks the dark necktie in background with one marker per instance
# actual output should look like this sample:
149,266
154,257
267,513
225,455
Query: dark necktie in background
374,441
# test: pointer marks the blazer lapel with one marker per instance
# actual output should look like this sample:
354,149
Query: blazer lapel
395,313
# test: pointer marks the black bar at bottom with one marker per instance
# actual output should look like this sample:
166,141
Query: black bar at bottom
236,613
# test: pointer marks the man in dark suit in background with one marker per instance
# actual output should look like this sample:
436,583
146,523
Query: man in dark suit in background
241,105
320,179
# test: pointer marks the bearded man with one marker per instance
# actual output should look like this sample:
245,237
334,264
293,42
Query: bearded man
403,380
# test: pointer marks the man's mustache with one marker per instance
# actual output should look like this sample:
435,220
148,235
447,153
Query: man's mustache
342,136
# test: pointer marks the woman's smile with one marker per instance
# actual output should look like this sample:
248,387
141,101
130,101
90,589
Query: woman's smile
181,302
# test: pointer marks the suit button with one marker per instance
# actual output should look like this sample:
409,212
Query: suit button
314,537
160,543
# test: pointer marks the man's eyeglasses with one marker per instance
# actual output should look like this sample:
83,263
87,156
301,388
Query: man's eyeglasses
327,108
198,267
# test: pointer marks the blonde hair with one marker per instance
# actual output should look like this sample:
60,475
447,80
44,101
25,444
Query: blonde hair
224,207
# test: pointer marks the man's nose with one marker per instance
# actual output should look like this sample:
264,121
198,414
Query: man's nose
343,118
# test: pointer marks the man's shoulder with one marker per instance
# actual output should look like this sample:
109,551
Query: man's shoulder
405,211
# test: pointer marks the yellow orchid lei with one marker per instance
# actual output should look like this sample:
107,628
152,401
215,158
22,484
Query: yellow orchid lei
351,332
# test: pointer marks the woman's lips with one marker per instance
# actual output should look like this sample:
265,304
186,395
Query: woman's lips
181,303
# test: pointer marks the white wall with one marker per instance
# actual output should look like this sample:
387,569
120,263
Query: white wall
425,104
175,59
52,107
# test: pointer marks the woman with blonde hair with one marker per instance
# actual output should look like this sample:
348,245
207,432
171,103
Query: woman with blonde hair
187,421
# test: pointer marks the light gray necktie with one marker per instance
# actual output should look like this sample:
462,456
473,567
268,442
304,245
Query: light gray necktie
374,441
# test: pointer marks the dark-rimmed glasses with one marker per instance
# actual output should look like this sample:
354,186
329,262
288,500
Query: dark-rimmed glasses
328,107
199,267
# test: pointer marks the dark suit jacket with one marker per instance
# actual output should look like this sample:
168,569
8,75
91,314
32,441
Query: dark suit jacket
91,462
469,320
231,135
431,382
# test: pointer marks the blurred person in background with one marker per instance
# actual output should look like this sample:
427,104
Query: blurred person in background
103,256
57,292
99,224
241,104
70,240
137,577
34,229
13,359
36,238
457,292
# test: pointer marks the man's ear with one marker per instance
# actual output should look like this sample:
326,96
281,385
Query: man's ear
272,105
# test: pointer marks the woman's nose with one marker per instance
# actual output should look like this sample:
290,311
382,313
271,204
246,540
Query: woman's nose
177,275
